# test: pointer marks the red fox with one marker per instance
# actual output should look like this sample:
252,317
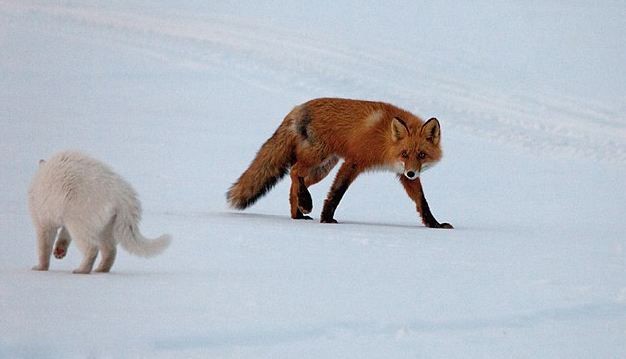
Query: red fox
366,135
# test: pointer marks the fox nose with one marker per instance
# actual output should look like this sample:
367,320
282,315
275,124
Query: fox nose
410,174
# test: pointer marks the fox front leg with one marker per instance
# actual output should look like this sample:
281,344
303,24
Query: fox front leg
414,190
346,174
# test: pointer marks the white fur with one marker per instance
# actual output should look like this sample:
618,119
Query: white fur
93,205
427,166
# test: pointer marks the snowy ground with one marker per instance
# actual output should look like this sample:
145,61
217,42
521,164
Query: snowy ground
178,98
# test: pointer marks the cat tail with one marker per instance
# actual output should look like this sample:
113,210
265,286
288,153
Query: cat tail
127,232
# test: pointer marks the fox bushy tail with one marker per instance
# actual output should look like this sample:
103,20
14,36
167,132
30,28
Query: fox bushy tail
126,231
271,164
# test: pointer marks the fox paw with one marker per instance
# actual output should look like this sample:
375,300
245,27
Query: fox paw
305,202
328,220
440,225
300,215
39,267
60,248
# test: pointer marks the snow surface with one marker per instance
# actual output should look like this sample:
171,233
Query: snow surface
178,96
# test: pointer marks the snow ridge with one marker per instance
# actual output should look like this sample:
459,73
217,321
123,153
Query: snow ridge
546,123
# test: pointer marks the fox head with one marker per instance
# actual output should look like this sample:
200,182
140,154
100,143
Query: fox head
415,149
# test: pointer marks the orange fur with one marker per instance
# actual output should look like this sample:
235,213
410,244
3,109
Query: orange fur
367,135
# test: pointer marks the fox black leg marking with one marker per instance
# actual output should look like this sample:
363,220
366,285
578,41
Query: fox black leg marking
305,202
414,190
300,215
346,174
428,218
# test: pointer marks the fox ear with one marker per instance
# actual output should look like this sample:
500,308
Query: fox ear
398,129
432,131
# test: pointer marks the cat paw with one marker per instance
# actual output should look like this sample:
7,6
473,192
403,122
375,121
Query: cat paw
60,249
81,271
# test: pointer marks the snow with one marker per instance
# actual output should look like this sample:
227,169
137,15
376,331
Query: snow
178,98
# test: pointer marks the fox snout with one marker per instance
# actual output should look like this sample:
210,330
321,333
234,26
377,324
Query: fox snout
411,174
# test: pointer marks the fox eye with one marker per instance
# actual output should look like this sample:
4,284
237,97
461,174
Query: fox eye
405,154
421,155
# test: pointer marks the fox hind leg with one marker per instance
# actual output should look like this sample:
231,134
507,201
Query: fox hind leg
305,202
316,174
299,196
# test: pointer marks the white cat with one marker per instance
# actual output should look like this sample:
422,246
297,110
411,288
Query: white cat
92,205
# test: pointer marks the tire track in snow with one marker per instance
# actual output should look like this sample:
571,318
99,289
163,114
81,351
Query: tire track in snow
255,52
